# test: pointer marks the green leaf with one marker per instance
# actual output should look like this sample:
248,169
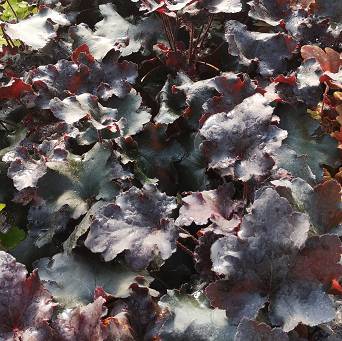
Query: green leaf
155,156
2,206
73,278
12,238
305,138
79,180
21,8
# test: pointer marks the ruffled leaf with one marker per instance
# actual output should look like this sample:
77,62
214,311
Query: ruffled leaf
37,30
329,59
257,262
78,178
240,143
270,50
72,279
216,206
189,318
304,140
87,76
116,32
81,323
14,89
233,90
319,260
24,170
249,330
25,305
301,302
143,217
321,202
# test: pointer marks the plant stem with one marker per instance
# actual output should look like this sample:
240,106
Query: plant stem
200,34
245,193
10,39
12,9
189,234
210,65
324,96
191,43
167,31
176,27
206,32
99,136
172,34
185,249
201,38
150,72
216,49
7,38
8,123
197,41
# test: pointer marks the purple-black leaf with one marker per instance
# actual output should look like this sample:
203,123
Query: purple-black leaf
250,330
301,302
260,258
321,202
233,90
216,206
72,279
116,32
189,318
240,143
81,323
144,218
25,305
270,50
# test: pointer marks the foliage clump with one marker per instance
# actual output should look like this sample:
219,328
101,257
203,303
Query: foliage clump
170,170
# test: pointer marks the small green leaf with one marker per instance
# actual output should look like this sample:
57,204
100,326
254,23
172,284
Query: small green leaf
12,238
2,206
21,8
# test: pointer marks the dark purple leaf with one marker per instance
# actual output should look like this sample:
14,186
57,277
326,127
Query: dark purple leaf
216,206
233,90
303,138
116,32
143,217
260,258
270,50
139,317
249,330
81,323
321,202
203,262
66,78
269,11
24,170
189,318
25,305
301,302
72,279
14,89
240,143
319,260
329,8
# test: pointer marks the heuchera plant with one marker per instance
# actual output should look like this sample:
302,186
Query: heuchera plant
170,170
